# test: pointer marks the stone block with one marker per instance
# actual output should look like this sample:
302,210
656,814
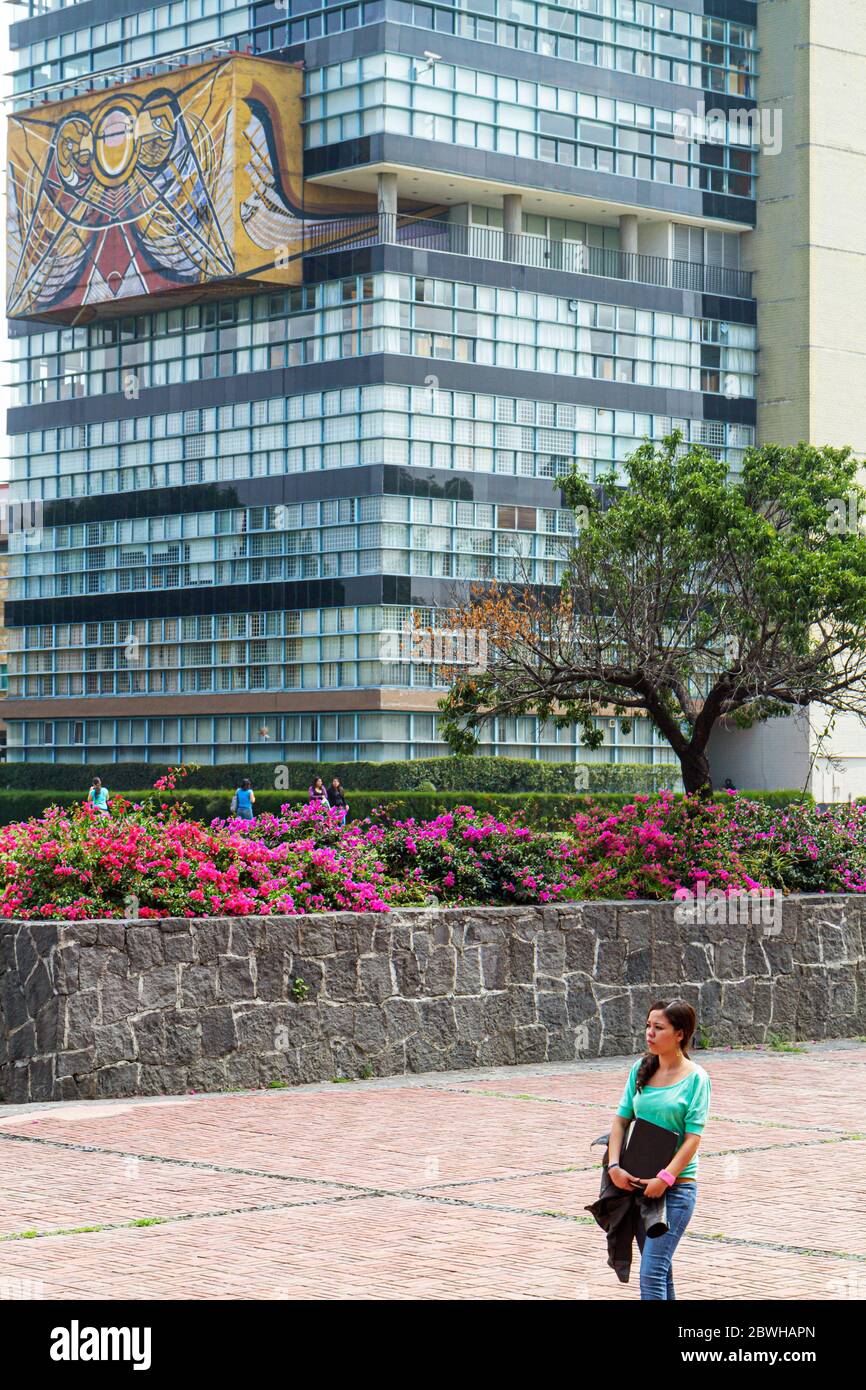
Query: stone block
530,1043
494,965
376,982
218,1036
114,1042
441,971
119,998
467,977
341,976
550,952
112,934
198,986
76,1063
179,948
121,1080
159,988
403,1018
272,974
211,940
235,979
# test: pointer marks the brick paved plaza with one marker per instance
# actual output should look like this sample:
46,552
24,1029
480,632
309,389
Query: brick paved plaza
446,1186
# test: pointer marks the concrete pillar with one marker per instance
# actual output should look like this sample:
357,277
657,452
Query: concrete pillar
628,233
512,225
387,201
627,245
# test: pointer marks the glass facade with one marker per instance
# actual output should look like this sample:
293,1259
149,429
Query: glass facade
268,737
404,314
244,505
634,36
419,427
463,106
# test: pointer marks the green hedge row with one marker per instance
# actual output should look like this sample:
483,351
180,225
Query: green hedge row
536,808
446,774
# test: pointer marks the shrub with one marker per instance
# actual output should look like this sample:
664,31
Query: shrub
482,774
82,865
544,810
651,847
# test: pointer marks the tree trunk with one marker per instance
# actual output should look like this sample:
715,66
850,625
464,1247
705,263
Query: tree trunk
696,772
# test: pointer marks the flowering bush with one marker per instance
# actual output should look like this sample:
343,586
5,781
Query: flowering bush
151,858
655,845
81,865
467,857
802,849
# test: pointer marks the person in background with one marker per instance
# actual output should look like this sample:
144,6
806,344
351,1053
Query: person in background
729,786
244,800
98,797
319,794
337,798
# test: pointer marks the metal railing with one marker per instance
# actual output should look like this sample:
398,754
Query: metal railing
523,248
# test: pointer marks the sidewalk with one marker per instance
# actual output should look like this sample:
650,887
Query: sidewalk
448,1185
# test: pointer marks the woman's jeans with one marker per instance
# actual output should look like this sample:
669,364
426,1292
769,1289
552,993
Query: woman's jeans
657,1252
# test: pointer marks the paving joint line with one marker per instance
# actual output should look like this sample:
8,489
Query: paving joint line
148,1223
604,1105
433,1199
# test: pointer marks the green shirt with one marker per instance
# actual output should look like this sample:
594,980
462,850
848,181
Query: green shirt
683,1107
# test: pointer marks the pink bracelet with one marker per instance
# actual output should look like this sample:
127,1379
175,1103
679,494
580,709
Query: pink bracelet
666,1177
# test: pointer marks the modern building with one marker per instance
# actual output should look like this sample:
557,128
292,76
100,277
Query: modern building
4,583
312,304
808,254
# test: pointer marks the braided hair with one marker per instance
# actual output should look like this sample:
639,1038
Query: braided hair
679,1015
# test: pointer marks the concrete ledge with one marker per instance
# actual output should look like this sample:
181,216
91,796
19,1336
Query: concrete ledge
117,1008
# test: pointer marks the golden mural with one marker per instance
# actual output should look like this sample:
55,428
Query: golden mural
160,189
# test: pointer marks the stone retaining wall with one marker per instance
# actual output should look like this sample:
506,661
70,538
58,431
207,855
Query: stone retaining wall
116,1008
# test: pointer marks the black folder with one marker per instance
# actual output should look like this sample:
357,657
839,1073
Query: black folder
648,1148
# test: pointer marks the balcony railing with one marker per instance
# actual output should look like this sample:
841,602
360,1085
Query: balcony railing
494,244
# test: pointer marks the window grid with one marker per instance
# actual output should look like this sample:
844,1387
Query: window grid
392,424
467,107
401,314
627,35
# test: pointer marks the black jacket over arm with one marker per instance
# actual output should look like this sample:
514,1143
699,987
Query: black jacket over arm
619,1214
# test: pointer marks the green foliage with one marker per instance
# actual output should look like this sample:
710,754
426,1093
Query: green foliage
779,1044
443,774
538,809
680,581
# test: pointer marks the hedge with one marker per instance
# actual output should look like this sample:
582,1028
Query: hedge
537,809
446,774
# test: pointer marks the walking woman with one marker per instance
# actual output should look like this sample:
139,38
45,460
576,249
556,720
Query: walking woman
244,800
337,798
319,794
98,797
666,1088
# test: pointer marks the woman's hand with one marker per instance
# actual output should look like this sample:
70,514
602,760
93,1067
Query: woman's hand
655,1188
620,1178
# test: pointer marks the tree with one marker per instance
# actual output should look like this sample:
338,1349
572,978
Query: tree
687,598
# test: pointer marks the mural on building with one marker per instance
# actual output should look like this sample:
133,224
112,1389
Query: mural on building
167,184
